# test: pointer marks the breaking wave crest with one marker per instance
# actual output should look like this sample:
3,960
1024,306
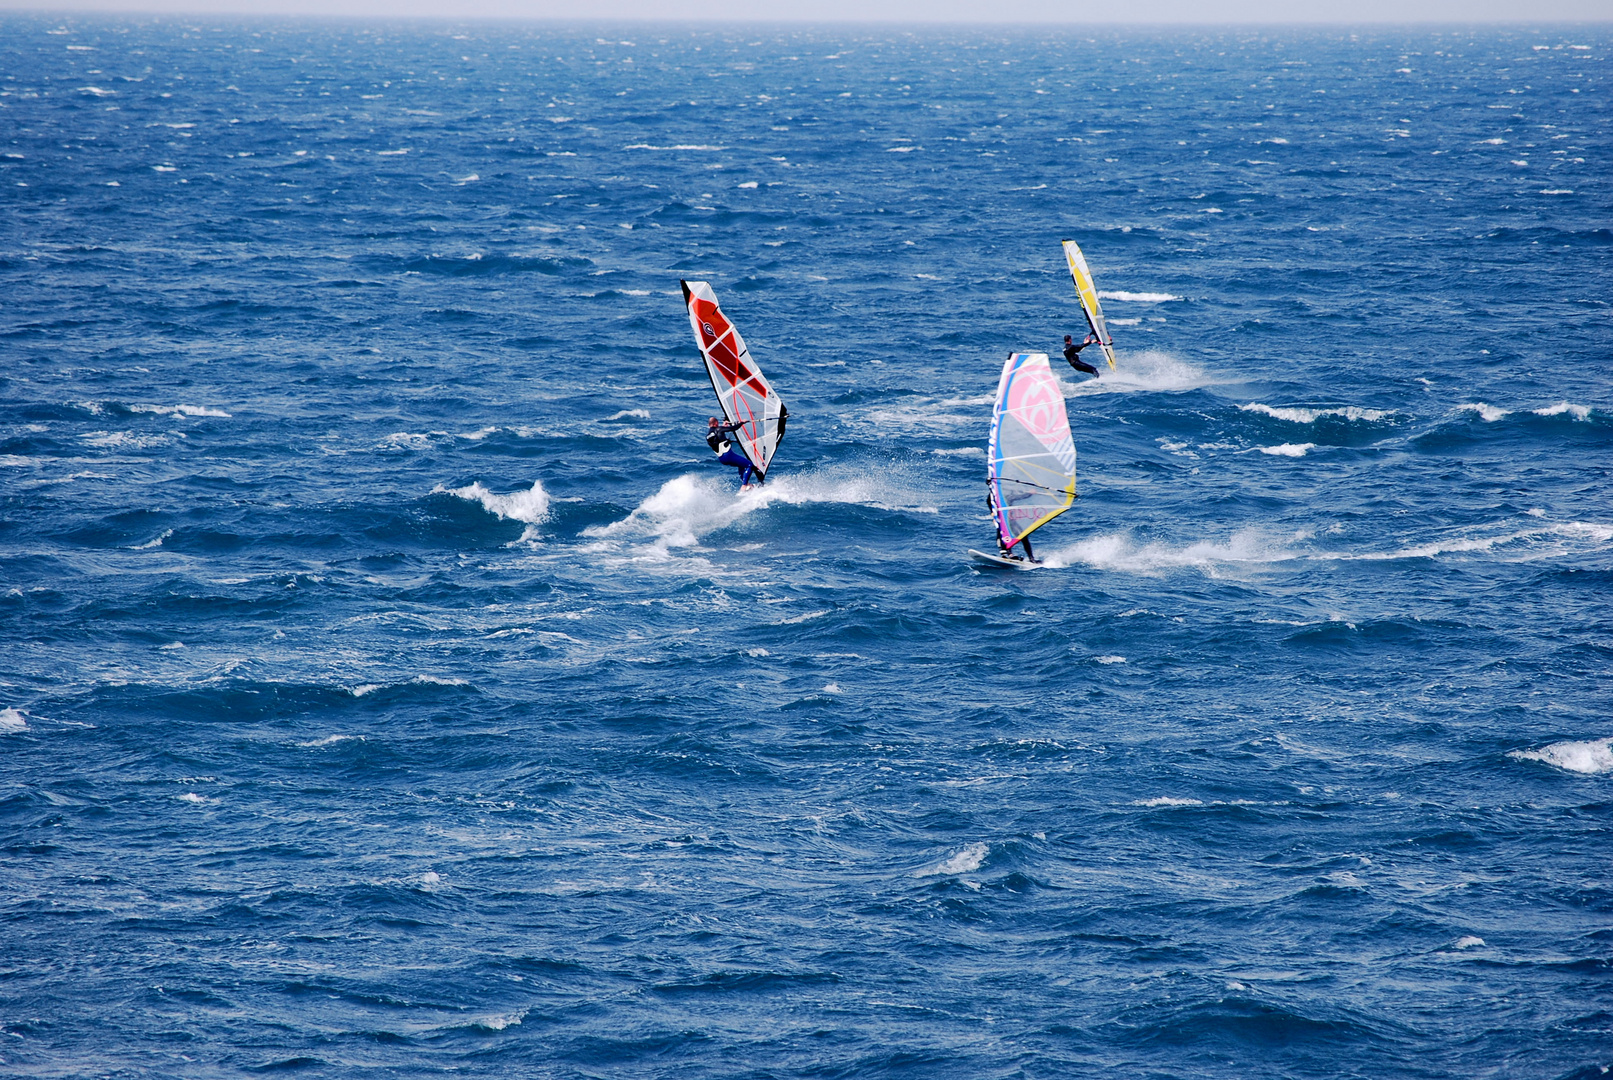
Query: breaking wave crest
530,507
966,861
1137,297
1300,415
1589,758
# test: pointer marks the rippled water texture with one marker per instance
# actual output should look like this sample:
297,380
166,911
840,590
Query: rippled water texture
391,684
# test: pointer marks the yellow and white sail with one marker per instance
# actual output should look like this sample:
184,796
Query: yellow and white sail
1089,298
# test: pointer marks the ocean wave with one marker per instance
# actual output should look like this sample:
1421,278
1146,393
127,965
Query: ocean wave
1488,413
1588,758
530,507
13,721
1578,412
1137,297
1519,545
676,146
1298,414
179,410
1288,449
966,861
689,507
1145,371
1118,551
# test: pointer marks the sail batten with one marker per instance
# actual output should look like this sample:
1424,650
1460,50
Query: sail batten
1030,457
743,392
1088,292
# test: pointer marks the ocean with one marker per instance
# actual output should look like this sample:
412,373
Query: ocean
393,685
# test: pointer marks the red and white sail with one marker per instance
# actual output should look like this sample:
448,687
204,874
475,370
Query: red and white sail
743,393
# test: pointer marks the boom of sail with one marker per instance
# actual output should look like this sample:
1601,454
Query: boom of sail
1030,459
743,393
1089,298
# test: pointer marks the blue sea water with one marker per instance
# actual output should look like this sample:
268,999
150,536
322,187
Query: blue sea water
392,685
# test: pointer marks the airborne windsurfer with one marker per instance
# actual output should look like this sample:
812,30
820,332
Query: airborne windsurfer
716,438
1072,353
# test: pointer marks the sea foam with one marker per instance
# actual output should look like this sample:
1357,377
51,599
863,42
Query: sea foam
1298,414
530,506
1591,757
964,862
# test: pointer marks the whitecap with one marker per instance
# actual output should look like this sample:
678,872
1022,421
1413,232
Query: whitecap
1468,941
636,414
1590,758
366,688
331,740
530,506
964,862
1288,449
1300,415
192,797
1137,297
832,688
1166,800
1488,413
1578,412
1110,659
12,721
179,410
677,146
149,544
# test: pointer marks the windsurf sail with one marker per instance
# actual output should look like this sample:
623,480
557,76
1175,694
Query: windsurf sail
1030,458
743,393
1089,298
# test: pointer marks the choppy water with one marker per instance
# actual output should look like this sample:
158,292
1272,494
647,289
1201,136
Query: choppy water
392,684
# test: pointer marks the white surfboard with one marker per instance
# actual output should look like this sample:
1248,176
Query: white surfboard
1017,564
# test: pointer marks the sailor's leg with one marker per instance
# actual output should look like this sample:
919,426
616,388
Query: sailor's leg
1029,554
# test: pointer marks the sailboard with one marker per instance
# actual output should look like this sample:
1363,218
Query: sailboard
1089,299
1004,560
1030,457
743,392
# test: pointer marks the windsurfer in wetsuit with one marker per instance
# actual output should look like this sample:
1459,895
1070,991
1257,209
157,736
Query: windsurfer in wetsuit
1072,353
717,438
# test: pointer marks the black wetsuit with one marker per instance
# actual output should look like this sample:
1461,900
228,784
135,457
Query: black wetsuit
1072,353
716,436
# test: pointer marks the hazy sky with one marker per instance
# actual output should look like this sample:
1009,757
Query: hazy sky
973,11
